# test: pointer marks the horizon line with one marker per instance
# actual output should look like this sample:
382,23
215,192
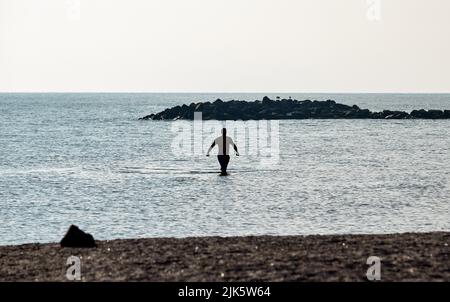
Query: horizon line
208,92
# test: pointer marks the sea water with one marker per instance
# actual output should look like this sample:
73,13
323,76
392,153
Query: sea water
86,159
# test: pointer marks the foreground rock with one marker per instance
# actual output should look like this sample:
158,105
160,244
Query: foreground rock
286,109
404,257
77,238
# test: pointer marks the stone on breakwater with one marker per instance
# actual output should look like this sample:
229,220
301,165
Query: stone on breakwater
286,109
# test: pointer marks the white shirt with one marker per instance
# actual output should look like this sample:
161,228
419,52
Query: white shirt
219,142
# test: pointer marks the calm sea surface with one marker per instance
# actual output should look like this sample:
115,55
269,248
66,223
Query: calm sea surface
86,159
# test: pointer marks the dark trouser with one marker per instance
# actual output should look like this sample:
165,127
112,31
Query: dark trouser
223,160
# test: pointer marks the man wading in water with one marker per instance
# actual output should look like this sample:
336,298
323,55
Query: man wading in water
223,143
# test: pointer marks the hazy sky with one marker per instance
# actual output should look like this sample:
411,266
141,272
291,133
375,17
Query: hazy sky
225,45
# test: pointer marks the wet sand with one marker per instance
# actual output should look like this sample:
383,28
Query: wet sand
404,257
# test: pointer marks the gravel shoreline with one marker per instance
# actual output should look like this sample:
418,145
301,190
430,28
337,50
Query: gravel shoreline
404,257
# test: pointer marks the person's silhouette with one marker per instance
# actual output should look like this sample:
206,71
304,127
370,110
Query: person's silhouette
223,155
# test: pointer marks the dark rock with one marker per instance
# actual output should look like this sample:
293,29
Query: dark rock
77,238
435,114
430,114
396,115
266,100
286,109
361,113
419,113
446,113
147,117
387,113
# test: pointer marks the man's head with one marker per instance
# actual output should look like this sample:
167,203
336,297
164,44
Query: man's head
224,131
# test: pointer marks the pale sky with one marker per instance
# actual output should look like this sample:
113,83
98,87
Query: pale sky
225,45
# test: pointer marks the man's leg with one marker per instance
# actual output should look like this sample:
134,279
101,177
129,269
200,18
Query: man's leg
226,161
223,160
220,159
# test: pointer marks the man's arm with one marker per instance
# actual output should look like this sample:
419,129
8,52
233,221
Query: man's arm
210,148
235,149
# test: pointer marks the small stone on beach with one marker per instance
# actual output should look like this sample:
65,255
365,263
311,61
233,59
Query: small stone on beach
77,238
